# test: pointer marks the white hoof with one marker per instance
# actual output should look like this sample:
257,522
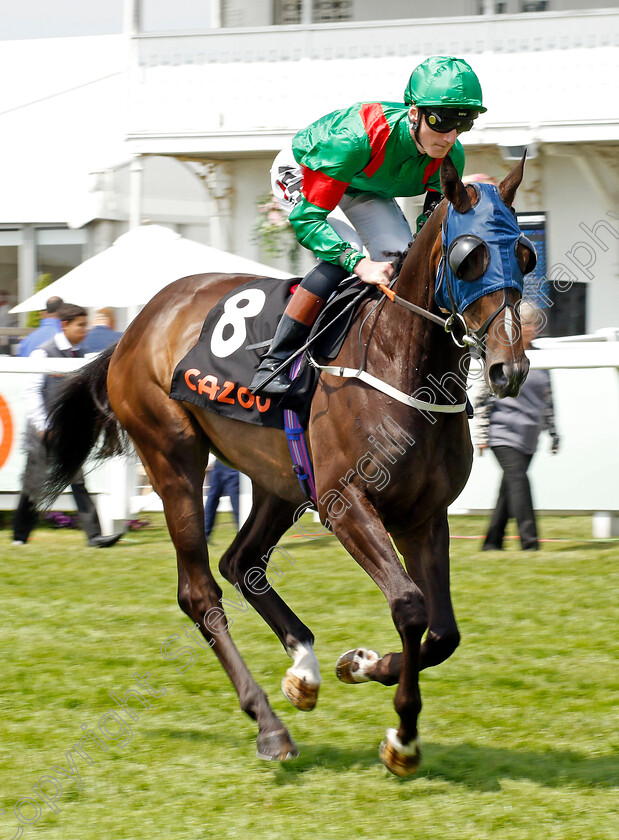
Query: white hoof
302,680
400,759
352,667
299,692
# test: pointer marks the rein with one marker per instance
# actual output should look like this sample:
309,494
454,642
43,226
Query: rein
389,390
468,339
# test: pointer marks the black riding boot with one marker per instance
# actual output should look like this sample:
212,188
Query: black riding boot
295,325
289,336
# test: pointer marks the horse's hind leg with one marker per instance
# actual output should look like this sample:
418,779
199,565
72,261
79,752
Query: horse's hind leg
245,565
175,454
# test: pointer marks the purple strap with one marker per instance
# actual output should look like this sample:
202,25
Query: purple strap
297,445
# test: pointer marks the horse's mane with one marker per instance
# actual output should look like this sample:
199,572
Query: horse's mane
410,257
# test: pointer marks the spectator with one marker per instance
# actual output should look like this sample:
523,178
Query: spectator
102,333
224,481
511,428
38,396
48,327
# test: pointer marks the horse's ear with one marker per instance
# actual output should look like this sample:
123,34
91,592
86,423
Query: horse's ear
511,182
453,188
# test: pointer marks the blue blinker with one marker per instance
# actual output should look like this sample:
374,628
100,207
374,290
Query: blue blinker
479,251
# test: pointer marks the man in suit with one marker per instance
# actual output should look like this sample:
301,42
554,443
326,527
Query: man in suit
39,396
48,327
102,333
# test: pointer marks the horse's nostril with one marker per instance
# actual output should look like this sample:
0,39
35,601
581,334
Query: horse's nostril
497,376
506,379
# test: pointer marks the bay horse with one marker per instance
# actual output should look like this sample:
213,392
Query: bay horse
428,461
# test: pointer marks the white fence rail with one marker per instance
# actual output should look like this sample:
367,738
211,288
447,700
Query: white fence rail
581,478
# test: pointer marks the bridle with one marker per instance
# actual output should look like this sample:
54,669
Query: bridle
476,279
471,339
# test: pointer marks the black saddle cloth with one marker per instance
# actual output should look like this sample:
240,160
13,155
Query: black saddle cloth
216,372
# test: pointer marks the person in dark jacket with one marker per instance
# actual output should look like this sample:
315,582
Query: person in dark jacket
102,333
38,397
223,481
511,428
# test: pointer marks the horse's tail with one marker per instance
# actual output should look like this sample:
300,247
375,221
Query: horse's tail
79,419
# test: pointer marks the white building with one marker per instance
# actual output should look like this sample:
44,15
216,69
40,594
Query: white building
177,121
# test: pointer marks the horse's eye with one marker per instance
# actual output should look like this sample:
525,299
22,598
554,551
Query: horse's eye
468,257
525,254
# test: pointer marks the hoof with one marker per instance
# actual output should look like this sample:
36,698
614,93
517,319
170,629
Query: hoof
398,758
352,666
299,692
276,746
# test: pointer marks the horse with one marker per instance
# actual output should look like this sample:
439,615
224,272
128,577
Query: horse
427,453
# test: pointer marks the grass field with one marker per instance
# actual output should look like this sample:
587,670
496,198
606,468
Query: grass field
519,726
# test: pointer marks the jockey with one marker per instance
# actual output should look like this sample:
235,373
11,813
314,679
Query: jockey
339,180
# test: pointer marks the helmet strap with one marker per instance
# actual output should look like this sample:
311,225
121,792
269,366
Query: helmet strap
414,124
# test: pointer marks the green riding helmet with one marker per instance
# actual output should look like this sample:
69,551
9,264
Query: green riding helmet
443,81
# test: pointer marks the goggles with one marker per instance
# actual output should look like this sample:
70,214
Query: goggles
445,120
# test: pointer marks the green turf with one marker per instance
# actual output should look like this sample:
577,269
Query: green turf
519,727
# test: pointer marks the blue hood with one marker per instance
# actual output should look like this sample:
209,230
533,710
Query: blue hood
496,225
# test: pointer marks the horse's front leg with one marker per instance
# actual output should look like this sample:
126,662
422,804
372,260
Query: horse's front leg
426,555
362,533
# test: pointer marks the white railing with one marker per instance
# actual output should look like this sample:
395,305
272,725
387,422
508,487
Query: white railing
379,39
581,478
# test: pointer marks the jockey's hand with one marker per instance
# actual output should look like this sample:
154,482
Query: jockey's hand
374,273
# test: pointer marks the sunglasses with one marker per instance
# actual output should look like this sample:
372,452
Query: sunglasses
445,120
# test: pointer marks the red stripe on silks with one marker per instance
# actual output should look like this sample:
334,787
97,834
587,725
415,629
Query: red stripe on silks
378,131
321,190
430,169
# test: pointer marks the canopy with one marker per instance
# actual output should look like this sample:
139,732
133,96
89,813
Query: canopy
137,266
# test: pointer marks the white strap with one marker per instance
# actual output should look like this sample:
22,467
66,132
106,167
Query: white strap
400,396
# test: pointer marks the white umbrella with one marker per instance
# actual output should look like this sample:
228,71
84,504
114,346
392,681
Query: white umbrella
138,265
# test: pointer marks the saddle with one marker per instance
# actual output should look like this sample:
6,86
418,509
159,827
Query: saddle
216,372
326,337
